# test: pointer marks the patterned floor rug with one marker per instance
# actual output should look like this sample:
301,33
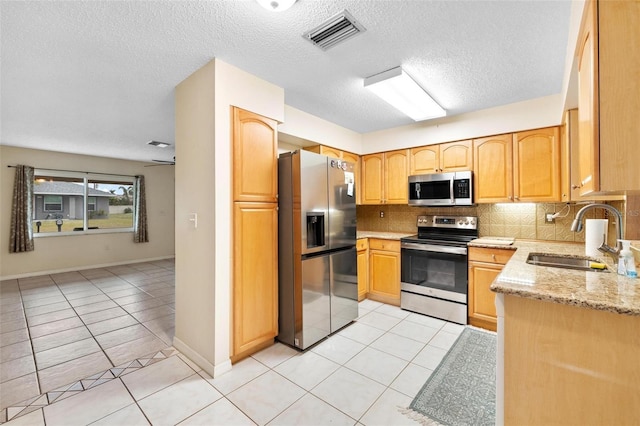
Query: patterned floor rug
461,390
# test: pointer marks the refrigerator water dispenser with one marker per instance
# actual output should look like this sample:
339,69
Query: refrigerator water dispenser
315,229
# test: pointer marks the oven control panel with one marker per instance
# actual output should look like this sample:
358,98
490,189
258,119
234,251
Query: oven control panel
460,222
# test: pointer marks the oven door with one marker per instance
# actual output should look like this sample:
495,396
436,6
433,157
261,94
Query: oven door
434,270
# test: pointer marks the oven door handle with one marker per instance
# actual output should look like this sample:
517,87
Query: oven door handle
434,248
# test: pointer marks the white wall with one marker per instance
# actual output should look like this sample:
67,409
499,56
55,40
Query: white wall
72,252
532,114
300,124
203,185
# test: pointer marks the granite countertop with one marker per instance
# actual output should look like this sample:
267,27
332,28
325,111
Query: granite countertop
383,235
596,290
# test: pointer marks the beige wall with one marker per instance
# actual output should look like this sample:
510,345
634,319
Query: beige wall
59,253
203,255
532,114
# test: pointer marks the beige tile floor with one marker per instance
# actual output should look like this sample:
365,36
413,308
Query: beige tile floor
56,329
360,375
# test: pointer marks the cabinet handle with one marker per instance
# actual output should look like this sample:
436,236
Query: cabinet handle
493,256
509,197
517,198
575,186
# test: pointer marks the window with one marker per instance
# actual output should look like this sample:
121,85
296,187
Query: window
78,202
53,203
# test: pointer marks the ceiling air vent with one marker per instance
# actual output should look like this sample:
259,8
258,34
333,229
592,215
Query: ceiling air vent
335,30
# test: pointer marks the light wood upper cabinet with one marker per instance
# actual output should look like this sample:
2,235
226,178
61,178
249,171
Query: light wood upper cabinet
384,271
588,102
372,179
425,159
456,156
330,152
396,173
384,177
519,167
255,157
493,169
255,269
608,100
570,158
445,157
536,164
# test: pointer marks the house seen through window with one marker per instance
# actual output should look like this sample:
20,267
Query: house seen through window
72,202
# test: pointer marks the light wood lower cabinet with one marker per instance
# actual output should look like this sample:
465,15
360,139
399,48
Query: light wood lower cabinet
362,247
255,282
484,266
569,365
384,271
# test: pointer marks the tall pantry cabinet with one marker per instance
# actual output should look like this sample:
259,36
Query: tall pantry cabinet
255,233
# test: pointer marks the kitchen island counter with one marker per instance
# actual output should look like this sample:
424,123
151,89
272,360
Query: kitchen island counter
567,342
606,291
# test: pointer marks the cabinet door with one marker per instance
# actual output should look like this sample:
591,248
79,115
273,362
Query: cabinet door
363,274
456,156
482,300
425,160
396,173
384,276
536,164
493,169
355,159
255,157
330,152
255,280
372,178
588,131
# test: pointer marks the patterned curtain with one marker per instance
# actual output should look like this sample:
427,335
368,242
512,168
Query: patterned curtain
140,233
21,238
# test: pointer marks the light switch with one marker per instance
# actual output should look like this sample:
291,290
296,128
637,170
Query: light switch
193,217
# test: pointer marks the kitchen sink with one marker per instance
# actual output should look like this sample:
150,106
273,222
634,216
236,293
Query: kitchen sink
581,263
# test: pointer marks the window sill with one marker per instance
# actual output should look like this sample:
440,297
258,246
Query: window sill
89,232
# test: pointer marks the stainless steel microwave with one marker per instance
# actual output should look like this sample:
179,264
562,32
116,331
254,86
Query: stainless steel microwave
441,189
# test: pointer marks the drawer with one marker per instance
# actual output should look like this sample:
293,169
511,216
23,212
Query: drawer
362,244
480,254
388,245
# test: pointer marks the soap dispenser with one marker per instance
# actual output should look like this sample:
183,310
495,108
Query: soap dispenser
626,262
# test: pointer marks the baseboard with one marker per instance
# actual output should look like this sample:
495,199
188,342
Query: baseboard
83,268
210,369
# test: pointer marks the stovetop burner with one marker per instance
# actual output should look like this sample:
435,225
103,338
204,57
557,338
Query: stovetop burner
445,230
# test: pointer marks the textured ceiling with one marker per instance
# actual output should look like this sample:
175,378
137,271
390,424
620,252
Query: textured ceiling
98,77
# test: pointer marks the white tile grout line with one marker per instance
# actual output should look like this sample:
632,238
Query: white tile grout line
78,386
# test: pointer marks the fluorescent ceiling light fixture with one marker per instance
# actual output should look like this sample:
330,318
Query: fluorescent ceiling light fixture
398,89
158,144
276,5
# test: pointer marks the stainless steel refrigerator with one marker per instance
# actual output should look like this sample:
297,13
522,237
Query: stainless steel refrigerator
318,278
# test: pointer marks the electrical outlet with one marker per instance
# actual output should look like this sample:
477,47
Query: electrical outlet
550,218
381,213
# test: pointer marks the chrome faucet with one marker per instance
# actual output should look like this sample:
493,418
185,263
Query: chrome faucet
576,226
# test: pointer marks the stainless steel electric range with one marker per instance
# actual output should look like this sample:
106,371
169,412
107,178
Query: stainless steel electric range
434,270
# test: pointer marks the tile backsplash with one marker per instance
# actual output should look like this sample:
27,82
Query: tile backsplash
518,220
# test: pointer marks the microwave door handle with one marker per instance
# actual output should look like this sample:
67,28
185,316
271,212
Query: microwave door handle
451,181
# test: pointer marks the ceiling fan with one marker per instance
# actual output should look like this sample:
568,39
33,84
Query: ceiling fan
163,163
